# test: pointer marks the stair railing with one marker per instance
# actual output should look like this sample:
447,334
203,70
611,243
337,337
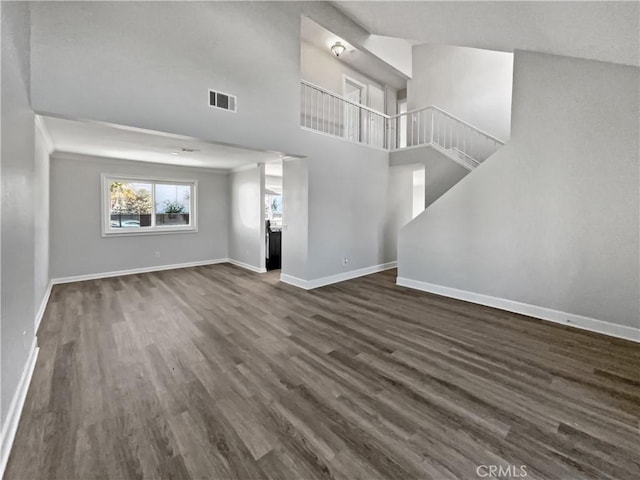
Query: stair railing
331,114
444,132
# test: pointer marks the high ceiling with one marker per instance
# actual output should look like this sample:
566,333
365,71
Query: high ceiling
115,141
368,64
607,31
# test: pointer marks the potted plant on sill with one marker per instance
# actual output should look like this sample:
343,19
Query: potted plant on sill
173,209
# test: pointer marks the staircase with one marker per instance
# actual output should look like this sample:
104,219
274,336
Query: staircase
431,126
325,112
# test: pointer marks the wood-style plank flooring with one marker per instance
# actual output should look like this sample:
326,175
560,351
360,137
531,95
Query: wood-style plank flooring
219,373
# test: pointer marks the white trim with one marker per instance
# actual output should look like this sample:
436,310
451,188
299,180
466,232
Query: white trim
363,90
339,277
543,313
263,226
134,271
363,127
107,231
295,281
40,125
246,266
43,307
10,426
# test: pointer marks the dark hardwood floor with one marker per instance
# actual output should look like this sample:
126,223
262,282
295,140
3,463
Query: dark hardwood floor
218,373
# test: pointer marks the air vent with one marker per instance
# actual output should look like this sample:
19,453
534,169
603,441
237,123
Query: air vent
223,101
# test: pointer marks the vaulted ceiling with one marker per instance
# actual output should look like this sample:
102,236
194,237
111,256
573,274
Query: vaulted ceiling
607,31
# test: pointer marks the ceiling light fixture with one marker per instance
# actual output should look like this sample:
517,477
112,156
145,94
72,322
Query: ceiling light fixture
338,48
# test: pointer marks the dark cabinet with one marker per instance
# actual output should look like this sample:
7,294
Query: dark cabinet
274,249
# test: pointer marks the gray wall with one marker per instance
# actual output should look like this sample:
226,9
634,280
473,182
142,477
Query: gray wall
295,211
77,247
138,64
552,219
41,216
399,206
17,247
246,227
127,63
325,70
441,173
347,206
469,83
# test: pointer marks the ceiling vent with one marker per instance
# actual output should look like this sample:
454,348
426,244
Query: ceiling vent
223,101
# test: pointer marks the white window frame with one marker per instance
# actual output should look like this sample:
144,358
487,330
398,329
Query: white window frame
108,231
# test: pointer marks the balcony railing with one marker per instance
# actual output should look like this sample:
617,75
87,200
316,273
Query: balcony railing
328,113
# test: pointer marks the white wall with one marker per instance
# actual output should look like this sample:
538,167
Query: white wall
43,149
474,85
325,70
395,51
17,247
552,219
246,228
77,245
606,31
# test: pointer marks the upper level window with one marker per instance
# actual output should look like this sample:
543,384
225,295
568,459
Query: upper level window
138,205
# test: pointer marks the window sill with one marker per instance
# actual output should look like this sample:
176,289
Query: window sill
155,231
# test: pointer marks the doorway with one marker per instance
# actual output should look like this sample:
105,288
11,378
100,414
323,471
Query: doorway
418,197
402,127
273,214
376,125
355,92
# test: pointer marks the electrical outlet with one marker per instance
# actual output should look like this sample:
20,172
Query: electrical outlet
157,254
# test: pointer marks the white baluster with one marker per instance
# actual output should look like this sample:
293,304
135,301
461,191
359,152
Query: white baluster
412,128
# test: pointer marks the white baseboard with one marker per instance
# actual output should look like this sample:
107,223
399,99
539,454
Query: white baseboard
43,307
134,271
246,266
556,316
295,281
340,277
10,426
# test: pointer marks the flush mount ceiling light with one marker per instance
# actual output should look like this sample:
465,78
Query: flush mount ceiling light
337,48
185,150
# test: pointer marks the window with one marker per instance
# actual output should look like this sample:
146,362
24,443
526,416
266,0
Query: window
138,206
273,209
